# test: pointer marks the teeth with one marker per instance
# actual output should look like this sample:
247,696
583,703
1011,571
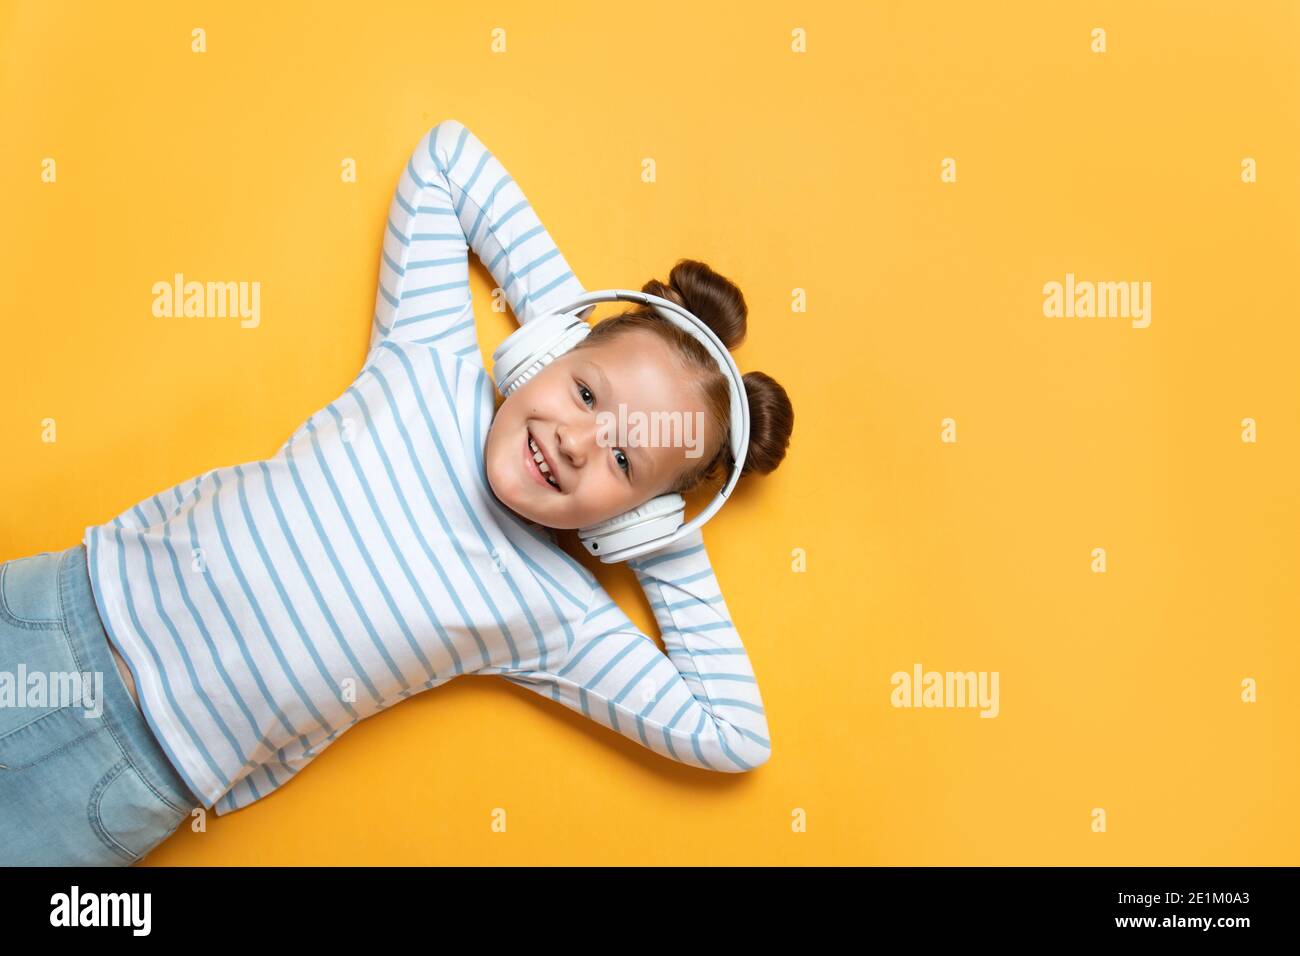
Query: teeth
541,463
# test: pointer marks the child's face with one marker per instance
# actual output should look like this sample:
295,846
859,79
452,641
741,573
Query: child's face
571,409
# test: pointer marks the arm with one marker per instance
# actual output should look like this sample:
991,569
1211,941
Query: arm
699,705
454,195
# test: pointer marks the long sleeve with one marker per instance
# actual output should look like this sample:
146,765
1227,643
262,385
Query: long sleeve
699,705
452,196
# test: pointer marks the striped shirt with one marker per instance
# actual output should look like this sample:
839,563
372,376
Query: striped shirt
266,607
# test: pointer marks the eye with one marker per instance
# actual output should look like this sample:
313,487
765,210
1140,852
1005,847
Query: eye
624,463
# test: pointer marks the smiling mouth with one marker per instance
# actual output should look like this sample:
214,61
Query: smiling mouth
538,465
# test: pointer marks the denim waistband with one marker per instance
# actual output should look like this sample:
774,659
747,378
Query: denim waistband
89,643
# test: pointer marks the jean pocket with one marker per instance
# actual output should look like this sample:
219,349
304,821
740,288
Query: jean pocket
38,679
45,735
29,590
129,816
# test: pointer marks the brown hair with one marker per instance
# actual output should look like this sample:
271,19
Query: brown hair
721,306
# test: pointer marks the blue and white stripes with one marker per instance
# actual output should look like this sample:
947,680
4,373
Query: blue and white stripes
700,705
265,607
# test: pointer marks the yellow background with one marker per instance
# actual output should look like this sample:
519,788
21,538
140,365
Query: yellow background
815,171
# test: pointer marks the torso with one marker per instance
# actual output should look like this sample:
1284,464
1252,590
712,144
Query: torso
126,674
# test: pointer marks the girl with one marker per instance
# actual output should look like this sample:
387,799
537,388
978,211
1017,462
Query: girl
225,631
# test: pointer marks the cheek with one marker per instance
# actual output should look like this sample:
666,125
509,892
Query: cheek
613,492
495,450
540,388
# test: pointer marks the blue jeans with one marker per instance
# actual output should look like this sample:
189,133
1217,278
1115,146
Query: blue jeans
83,780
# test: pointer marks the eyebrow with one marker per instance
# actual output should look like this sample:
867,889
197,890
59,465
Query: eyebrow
641,453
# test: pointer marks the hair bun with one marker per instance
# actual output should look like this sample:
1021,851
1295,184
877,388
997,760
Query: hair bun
713,298
771,422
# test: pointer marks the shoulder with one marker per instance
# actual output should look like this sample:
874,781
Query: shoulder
423,362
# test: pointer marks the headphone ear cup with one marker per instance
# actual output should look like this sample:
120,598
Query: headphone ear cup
658,518
531,347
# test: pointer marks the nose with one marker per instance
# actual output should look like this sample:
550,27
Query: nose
575,442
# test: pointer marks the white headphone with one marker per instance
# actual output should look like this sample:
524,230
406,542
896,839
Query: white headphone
657,523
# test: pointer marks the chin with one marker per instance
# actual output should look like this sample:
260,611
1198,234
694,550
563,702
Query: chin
542,517
508,495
